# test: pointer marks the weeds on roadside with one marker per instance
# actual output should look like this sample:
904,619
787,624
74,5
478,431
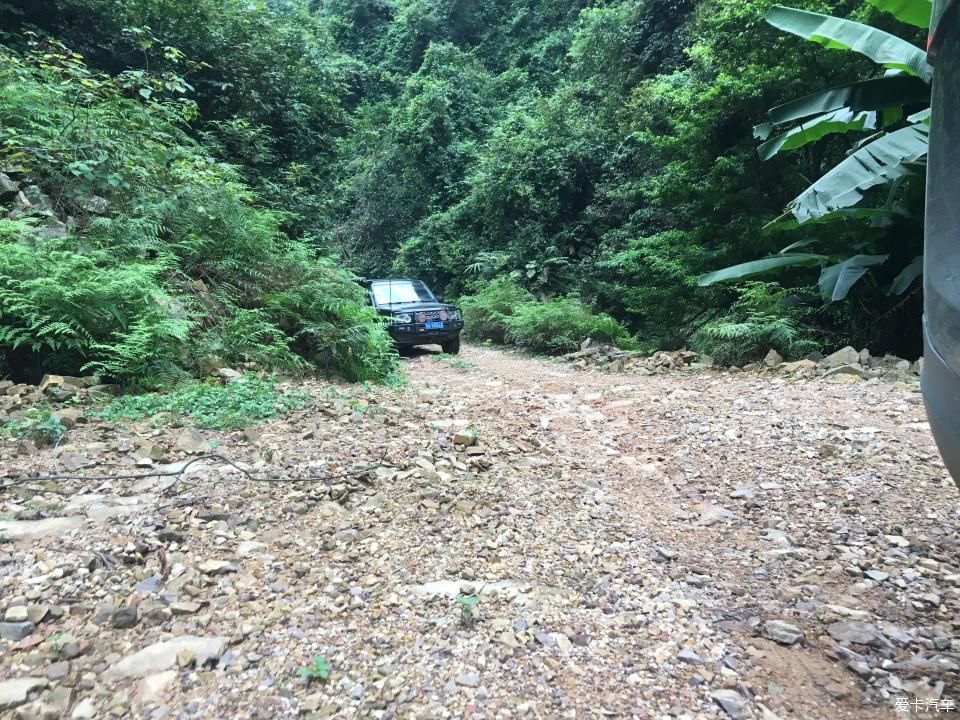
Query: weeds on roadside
33,510
210,405
320,670
464,365
468,613
37,424
456,362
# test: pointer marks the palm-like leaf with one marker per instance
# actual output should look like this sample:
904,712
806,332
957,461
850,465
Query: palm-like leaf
838,121
883,160
913,12
878,217
874,94
905,279
754,268
840,34
836,280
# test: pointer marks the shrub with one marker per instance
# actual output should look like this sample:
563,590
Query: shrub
764,317
505,313
37,424
59,309
485,314
561,325
170,255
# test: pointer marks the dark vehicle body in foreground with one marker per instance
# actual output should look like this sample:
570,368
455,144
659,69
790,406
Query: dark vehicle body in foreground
417,316
941,281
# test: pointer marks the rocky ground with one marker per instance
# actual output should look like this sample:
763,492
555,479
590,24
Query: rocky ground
532,540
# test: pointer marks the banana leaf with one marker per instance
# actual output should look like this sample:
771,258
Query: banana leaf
838,121
885,159
912,12
878,217
836,280
905,279
875,94
840,34
760,267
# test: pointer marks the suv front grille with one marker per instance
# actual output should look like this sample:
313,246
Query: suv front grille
431,315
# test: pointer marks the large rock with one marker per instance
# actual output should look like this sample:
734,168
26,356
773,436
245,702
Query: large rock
853,369
103,391
216,567
40,202
800,366
731,701
16,631
50,382
773,359
714,514
36,529
858,633
14,693
190,441
84,710
162,656
844,356
782,632
16,614
70,417
152,686
8,187
465,437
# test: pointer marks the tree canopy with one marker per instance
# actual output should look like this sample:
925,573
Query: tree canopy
195,178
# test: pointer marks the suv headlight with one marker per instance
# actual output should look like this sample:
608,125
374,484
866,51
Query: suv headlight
454,314
402,318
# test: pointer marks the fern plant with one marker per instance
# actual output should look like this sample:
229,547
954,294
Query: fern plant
158,217
764,317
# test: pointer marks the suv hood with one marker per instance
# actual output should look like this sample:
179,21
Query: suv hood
414,307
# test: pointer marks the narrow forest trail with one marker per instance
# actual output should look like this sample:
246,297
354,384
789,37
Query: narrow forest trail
695,545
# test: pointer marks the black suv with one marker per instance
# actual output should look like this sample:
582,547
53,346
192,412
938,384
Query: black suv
418,317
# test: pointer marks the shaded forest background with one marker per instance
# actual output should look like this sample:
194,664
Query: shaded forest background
581,160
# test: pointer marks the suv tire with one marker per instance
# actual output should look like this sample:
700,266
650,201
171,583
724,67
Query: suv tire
451,347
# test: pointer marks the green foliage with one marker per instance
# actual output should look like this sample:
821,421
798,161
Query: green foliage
914,12
210,405
892,156
765,266
835,33
467,605
169,258
220,159
250,336
485,314
860,241
37,424
319,670
765,316
57,304
502,312
561,325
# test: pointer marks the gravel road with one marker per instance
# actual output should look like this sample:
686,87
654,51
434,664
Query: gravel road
689,545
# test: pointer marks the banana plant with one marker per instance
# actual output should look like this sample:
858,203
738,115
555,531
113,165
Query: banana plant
896,145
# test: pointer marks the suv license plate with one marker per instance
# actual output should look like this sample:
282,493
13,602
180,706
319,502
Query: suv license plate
434,326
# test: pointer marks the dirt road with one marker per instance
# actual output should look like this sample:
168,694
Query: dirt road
687,545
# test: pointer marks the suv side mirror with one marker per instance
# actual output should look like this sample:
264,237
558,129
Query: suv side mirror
440,298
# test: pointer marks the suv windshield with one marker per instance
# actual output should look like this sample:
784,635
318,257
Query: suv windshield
397,292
